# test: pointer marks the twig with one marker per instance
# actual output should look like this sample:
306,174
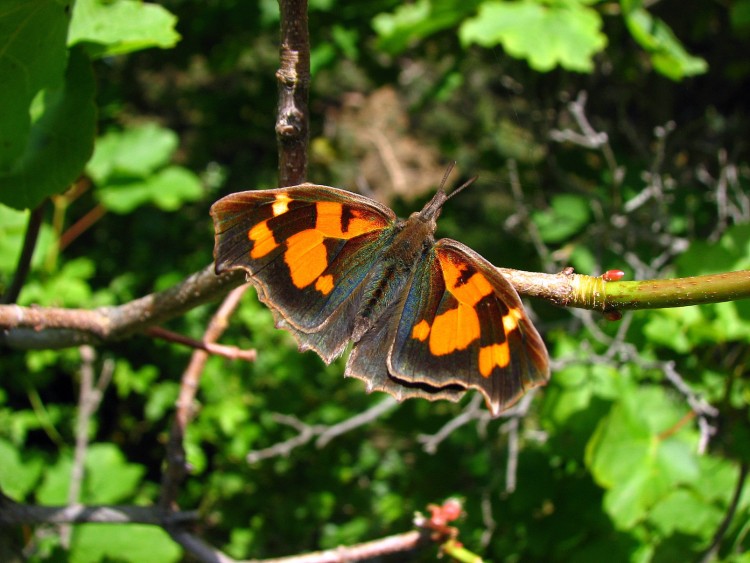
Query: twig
81,226
473,411
713,550
307,432
511,428
699,406
374,412
13,514
487,519
292,120
176,468
375,549
89,399
229,352
27,253
197,547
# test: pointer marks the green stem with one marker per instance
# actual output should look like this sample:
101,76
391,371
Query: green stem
587,292
677,292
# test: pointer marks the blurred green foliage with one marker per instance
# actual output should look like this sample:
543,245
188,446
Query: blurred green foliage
608,462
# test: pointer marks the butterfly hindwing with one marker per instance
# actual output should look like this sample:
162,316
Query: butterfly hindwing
307,249
462,323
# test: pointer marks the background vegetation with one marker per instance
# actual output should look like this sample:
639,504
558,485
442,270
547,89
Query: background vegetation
605,135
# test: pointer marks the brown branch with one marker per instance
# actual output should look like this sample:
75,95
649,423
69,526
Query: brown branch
292,120
52,328
14,513
81,226
399,543
713,550
27,253
197,547
228,352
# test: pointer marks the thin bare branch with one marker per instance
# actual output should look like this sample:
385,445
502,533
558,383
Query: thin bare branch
13,513
229,352
177,468
197,547
27,253
307,433
371,414
400,543
89,399
713,550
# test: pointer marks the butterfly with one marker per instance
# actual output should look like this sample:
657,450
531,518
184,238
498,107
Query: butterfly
427,318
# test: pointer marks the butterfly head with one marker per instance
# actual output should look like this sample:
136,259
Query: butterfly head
431,211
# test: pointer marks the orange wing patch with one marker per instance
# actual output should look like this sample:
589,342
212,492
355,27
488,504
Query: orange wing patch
324,284
262,239
331,223
306,257
421,330
491,356
457,328
306,253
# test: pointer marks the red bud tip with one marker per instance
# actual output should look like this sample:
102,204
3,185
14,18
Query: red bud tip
613,315
613,275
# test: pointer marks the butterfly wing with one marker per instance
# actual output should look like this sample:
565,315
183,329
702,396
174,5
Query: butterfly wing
306,249
462,323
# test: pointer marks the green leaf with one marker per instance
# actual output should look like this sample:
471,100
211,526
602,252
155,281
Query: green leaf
17,476
136,152
56,482
129,168
567,34
114,27
167,189
69,287
122,542
669,327
32,58
628,455
685,512
566,216
411,22
109,478
668,55
60,141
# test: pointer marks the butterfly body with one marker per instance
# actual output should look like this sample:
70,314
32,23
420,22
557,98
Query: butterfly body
428,319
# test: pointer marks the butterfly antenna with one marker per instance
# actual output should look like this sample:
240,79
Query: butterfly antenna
451,166
460,188
463,186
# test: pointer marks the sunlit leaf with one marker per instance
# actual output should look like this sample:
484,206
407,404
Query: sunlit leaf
115,27
566,34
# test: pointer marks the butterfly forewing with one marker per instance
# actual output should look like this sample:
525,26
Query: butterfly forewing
462,323
306,249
